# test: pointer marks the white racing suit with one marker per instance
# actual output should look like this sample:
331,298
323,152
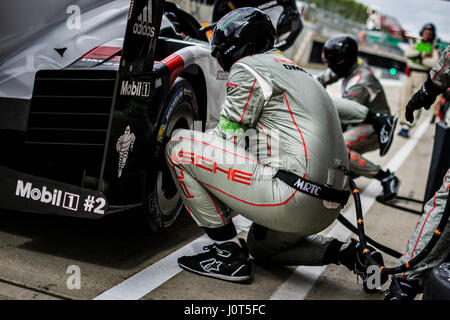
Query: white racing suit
291,125
434,208
362,87
419,64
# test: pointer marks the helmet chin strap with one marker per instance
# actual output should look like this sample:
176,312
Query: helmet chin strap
235,56
345,72
341,73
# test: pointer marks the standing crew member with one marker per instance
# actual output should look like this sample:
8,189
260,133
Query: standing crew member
420,58
289,184
407,285
360,85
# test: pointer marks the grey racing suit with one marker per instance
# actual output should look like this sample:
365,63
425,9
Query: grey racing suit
434,208
350,112
275,117
363,87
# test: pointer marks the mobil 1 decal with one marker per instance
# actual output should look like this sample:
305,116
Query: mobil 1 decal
135,82
23,192
58,198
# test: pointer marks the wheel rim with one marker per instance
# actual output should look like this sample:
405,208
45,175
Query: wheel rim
166,197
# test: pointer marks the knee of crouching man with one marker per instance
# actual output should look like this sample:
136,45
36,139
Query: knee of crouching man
256,242
179,146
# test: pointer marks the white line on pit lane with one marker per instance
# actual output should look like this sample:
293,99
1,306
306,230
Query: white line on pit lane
302,279
296,286
155,275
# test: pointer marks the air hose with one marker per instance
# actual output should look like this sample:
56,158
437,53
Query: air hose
377,245
363,239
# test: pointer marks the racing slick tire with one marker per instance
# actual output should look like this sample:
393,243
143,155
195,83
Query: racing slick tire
437,286
162,202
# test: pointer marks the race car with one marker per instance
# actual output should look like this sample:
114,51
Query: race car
89,98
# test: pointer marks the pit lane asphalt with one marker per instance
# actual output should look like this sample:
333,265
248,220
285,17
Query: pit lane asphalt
37,250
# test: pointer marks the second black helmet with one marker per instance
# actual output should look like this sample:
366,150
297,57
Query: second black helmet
240,33
341,54
428,26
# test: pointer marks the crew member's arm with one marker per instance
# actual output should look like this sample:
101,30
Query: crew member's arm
431,59
243,102
327,77
350,112
438,81
411,52
358,93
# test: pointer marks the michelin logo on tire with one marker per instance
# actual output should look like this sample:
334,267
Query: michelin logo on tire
144,25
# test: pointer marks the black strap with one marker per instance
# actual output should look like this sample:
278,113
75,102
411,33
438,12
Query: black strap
313,189
418,70
395,205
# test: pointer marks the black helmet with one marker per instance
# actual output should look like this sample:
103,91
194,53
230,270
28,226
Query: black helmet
341,54
239,33
428,26
288,27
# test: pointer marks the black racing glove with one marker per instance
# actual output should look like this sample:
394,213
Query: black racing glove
423,98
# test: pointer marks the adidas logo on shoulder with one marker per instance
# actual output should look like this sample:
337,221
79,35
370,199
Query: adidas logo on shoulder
144,25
